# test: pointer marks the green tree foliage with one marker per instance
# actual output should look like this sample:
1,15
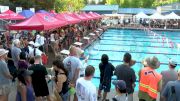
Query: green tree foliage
140,3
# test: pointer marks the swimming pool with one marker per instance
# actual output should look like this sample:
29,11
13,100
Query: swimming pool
115,42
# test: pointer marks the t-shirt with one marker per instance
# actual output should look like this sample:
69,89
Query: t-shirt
40,40
15,51
22,65
106,72
37,52
124,72
72,63
52,39
167,92
122,97
168,75
4,70
85,90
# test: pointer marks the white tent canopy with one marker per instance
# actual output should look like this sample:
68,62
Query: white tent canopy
141,15
172,16
156,16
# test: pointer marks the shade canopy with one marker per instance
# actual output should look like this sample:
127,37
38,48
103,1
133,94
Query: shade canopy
27,13
68,18
42,11
87,16
10,15
40,21
93,15
82,18
141,15
156,16
172,16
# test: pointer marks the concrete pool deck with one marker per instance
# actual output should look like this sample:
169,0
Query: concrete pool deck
12,96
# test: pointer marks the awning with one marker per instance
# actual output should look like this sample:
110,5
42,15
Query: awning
39,21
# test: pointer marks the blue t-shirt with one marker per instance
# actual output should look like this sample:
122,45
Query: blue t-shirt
4,70
168,91
72,63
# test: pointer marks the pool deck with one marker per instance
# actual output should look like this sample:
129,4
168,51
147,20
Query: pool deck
12,96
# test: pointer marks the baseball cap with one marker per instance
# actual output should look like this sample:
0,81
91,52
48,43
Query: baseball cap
120,84
172,62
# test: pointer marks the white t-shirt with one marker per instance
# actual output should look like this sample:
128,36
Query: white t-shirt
72,63
52,39
85,90
40,40
37,52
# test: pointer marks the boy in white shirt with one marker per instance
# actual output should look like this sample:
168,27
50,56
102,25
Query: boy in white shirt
85,89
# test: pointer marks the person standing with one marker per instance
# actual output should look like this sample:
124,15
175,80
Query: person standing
61,79
5,76
40,40
169,75
126,73
149,81
73,65
15,52
24,88
172,90
39,79
85,89
106,72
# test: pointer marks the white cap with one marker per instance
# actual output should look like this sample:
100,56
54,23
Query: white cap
31,43
172,62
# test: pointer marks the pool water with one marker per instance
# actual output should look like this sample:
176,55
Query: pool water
115,42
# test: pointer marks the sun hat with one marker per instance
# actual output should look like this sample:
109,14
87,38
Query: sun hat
153,62
120,84
172,62
145,61
3,52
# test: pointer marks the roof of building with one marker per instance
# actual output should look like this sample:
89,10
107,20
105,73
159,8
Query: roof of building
101,8
136,10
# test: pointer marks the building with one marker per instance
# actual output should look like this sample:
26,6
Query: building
166,9
101,9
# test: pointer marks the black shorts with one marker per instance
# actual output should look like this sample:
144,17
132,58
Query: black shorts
105,87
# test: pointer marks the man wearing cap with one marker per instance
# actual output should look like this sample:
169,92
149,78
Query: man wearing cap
169,75
172,90
5,76
121,93
149,81
126,73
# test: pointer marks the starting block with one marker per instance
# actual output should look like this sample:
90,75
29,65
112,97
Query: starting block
78,44
86,39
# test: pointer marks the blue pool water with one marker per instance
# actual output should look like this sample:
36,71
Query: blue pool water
115,42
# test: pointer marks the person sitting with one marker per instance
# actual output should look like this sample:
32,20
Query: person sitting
121,92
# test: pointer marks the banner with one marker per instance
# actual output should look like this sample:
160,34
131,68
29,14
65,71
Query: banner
4,8
32,9
18,9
